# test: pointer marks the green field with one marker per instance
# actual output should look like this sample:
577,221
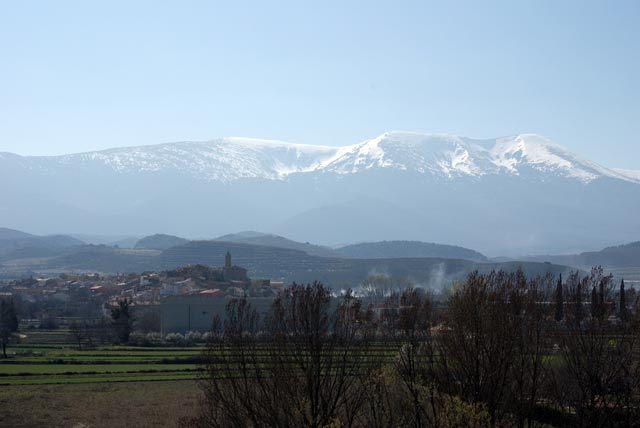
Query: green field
47,381
60,362
54,362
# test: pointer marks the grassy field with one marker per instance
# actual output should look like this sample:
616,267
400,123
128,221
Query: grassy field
98,405
48,364
49,357
47,381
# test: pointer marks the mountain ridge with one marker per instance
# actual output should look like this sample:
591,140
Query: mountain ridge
446,155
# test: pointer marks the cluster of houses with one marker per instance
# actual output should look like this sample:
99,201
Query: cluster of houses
187,298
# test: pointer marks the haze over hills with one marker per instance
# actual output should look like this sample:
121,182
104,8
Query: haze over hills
262,262
521,194
159,241
619,256
15,244
403,249
23,254
294,265
270,240
10,234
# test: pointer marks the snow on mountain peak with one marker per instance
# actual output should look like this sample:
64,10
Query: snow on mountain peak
536,152
440,155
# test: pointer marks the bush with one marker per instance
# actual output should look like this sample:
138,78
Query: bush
175,339
193,337
139,339
154,337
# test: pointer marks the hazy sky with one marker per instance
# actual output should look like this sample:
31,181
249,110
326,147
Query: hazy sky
80,76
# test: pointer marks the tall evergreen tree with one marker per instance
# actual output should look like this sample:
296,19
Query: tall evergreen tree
559,301
601,301
578,310
122,320
623,302
8,323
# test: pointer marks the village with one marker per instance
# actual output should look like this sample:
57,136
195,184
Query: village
168,298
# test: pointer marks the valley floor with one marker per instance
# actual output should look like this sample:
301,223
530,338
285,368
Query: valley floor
98,405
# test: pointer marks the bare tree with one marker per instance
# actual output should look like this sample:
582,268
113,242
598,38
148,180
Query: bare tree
78,332
416,361
532,316
497,354
597,375
480,340
299,368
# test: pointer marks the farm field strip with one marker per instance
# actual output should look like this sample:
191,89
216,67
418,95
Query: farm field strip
62,363
21,369
39,364
100,378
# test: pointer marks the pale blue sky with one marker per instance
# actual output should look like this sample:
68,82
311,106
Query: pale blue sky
80,76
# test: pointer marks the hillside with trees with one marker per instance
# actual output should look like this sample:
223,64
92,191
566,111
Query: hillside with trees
408,249
159,242
269,240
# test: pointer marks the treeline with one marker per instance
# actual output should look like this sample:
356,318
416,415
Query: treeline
505,351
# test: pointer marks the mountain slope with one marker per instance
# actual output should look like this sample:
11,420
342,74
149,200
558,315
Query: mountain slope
11,234
221,160
633,175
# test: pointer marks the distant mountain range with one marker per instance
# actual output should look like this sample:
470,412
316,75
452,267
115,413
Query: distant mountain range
276,261
370,250
272,256
15,244
521,194
31,246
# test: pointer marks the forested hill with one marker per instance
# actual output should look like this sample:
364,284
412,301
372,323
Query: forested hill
405,249
15,244
160,242
270,240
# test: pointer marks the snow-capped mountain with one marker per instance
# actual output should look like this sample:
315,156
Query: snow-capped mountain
224,159
515,194
448,156
452,156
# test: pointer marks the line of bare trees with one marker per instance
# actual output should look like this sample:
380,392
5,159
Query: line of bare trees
503,350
